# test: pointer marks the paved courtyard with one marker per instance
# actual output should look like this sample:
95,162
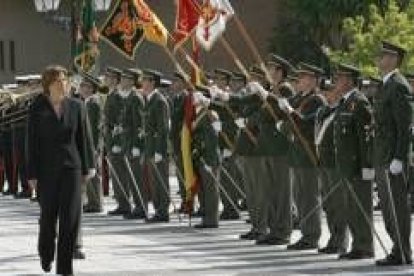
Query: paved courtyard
118,247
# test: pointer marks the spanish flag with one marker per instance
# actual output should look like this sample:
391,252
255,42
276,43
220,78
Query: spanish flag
190,177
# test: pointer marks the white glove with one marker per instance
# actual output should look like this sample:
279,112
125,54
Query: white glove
240,122
91,174
116,149
217,126
256,87
157,157
396,167
279,125
199,99
135,152
226,153
208,168
285,105
216,92
368,174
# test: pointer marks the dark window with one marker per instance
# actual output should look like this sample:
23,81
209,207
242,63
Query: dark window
2,55
12,56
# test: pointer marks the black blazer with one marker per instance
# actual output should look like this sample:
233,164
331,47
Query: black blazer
55,143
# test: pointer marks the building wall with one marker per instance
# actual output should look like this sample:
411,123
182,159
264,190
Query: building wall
39,42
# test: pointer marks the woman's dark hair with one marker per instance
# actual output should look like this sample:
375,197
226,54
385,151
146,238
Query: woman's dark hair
50,74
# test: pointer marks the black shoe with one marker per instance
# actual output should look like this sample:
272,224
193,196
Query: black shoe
8,192
136,214
197,214
205,226
90,209
118,212
23,195
248,221
46,265
267,240
229,216
302,245
78,255
158,218
356,255
330,250
250,236
392,260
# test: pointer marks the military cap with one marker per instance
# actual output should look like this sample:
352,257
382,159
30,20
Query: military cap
152,75
219,72
409,76
279,62
165,83
179,76
257,71
132,73
291,78
91,80
113,70
390,48
238,76
307,68
347,69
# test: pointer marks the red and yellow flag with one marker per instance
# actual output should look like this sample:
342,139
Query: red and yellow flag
186,20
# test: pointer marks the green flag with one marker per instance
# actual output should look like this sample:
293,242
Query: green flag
87,38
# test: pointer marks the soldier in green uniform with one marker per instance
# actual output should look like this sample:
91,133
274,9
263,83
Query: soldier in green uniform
273,147
303,108
230,174
118,124
205,155
410,79
331,189
140,193
88,90
392,114
247,105
156,116
353,156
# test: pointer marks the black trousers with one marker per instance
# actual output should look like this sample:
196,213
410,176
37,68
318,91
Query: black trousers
60,200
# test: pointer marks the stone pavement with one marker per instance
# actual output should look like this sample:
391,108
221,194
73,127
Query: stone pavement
123,248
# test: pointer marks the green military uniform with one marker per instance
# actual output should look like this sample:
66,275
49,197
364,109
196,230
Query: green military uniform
273,147
247,105
306,177
230,173
156,116
353,145
206,162
331,190
140,192
392,121
94,191
118,125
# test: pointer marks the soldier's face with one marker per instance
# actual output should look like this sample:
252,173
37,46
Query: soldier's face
306,82
127,83
221,82
236,85
177,86
343,83
147,86
85,89
275,72
110,80
387,62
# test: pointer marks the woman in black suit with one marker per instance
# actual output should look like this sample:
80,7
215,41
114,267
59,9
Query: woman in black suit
56,165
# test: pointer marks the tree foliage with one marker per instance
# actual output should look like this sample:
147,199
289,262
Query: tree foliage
366,33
